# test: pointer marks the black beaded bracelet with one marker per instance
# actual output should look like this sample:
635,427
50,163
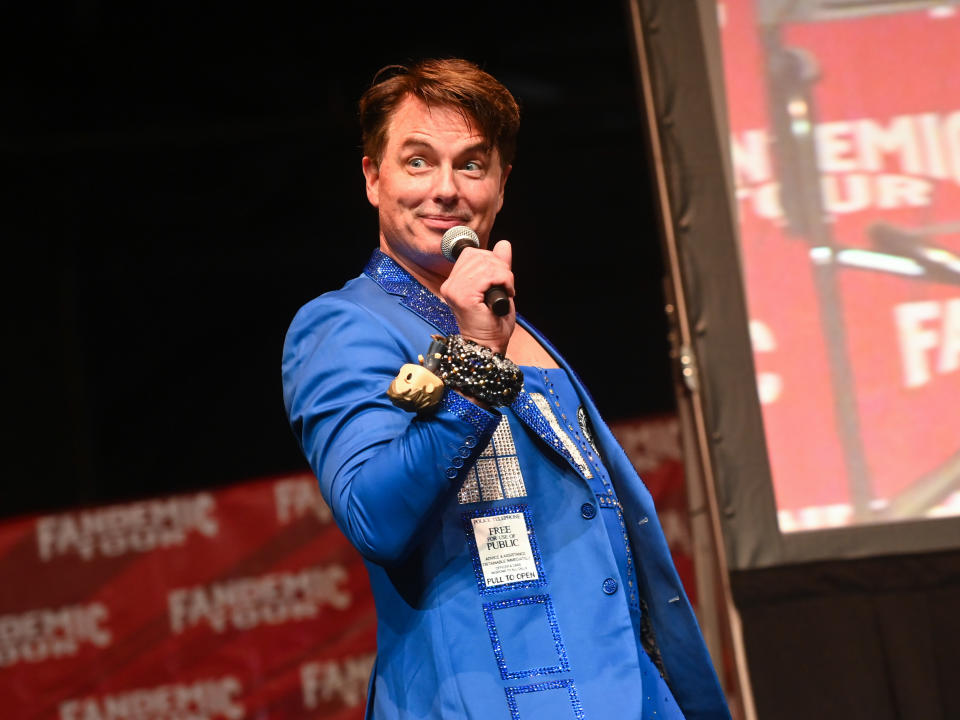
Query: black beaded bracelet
478,372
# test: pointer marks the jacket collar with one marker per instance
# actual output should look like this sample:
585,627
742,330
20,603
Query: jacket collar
387,273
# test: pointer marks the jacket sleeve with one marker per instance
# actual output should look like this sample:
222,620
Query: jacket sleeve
382,470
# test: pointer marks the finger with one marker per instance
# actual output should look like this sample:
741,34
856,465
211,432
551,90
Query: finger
476,270
504,251
492,265
476,262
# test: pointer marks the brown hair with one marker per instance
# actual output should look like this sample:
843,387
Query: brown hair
483,101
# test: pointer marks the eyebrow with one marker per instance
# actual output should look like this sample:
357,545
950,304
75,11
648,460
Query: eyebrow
480,147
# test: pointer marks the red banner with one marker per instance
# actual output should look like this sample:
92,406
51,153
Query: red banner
243,602
238,603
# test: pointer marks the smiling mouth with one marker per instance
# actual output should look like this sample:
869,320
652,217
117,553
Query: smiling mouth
442,222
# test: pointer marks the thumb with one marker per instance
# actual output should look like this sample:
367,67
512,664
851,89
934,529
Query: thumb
504,250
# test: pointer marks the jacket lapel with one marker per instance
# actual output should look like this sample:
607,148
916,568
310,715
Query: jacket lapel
528,410
393,279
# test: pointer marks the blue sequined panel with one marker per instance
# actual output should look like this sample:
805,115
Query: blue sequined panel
468,517
481,420
531,636
385,271
496,474
572,700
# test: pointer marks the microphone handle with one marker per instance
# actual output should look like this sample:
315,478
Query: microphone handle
495,297
497,300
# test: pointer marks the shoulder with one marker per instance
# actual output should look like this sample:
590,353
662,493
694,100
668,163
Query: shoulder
364,296
355,312
351,297
358,305
339,341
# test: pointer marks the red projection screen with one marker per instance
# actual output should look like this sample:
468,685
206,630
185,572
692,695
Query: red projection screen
845,139
811,170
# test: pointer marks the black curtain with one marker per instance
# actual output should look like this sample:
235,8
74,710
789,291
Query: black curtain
871,639
182,179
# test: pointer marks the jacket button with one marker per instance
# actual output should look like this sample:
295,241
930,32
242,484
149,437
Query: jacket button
464,452
457,461
470,441
451,473
609,586
588,511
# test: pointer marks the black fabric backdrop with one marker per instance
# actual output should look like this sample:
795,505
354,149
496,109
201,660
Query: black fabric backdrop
872,639
182,179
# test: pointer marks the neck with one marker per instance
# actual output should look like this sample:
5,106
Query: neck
430,279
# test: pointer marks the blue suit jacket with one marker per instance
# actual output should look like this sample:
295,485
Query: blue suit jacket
449,645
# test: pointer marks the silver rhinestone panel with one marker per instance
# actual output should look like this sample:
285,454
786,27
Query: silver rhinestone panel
502,442
469,491
486,470
543,405
512,478
496,474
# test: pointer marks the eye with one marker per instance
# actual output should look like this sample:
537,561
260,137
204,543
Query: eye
472,166
417,162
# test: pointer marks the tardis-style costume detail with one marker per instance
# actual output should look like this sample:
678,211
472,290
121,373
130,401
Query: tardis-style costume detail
513,557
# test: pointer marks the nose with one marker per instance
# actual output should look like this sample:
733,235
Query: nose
445,190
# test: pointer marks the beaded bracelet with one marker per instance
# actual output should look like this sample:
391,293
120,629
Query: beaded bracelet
478,372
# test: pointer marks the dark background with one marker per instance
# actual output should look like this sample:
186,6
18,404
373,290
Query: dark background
184,178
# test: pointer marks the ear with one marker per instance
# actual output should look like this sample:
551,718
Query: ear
372,174
503,185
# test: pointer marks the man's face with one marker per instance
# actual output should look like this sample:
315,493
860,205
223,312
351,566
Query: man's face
436,172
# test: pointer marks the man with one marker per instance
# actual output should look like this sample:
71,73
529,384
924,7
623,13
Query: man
518,567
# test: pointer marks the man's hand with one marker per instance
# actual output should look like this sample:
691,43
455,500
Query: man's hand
474,272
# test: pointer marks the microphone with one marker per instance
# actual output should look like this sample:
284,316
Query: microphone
454,241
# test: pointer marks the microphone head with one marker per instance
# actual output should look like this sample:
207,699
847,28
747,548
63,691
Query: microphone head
456,239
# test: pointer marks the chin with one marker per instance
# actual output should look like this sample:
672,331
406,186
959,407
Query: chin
431,244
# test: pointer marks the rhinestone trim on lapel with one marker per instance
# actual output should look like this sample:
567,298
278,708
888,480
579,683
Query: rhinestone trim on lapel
386,273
